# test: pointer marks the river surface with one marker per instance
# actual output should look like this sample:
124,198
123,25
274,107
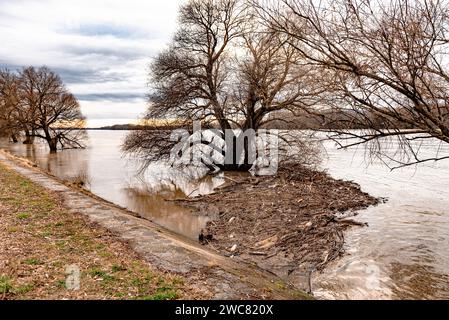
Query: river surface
107,173
403,254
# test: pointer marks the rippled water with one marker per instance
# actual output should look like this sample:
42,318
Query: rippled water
404,253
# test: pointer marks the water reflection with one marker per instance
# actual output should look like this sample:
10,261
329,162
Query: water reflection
168,214
109,175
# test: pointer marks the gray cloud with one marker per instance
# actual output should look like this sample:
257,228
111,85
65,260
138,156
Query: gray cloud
100,48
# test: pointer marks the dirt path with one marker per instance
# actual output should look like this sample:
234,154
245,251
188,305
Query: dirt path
209,274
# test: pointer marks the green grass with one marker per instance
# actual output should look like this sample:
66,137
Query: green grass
23,216
46,234
25,183
162,296
33,262
98,273
23,289
5,285
141,282
163,292
52,239
61,284
117,268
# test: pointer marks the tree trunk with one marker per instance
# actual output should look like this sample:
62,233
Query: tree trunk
243,155
53,144
52,141
14,138
29,138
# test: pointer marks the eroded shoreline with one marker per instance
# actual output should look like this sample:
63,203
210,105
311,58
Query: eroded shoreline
291,224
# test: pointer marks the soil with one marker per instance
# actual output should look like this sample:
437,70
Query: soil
291,224
40,239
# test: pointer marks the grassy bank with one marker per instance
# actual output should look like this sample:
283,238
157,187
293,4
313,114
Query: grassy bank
39,239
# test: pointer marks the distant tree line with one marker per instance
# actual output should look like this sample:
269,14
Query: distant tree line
34,103
332,120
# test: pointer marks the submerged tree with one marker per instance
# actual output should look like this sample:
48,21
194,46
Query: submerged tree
9,101
49,111
221,70
36,102
387,60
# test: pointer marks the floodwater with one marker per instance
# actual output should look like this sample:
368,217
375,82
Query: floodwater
111,176
403,254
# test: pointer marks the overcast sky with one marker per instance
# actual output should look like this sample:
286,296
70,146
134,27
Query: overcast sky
101,48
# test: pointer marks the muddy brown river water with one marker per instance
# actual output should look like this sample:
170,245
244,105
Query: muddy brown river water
403,254
111,176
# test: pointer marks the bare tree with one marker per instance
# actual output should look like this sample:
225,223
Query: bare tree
387,59
48,110
189,79
274,82
9,100
223,71
28,101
